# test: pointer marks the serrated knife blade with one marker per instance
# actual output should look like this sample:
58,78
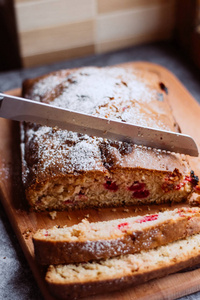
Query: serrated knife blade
20,109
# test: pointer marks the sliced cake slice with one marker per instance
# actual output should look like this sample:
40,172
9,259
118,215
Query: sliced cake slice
74,281
93,241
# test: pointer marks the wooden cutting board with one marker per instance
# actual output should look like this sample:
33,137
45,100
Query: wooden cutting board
187,113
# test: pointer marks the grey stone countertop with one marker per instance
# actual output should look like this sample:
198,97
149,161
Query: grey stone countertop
16,279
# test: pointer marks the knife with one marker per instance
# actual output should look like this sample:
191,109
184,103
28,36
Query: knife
20,109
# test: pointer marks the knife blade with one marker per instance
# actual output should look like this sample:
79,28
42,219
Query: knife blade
21,109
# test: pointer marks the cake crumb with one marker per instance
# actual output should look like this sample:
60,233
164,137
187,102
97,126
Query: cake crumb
69,217
163,209
87,216
126,210
53,215
113,209
194,199
27,233
58,226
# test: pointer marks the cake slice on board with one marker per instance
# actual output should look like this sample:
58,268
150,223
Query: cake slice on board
93,241
74,281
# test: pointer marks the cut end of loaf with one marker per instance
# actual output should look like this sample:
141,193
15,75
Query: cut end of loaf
117,189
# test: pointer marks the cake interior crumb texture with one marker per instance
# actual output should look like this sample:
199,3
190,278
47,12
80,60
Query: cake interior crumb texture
67,170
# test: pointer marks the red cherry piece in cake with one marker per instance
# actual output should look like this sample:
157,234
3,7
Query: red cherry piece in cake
109,185
82,196
123,225
148,218
137,186
68,201
138,189
181,214
192,178
141,194
179,186
188,178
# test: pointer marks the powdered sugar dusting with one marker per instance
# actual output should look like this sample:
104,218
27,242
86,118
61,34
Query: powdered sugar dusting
60,151
102,84
83,156
114,93
46,85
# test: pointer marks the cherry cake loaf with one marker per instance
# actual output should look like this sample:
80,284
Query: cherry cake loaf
64,170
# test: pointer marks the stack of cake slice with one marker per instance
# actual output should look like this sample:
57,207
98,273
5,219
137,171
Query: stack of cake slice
90,258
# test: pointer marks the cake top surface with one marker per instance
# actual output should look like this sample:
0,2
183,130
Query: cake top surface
116,93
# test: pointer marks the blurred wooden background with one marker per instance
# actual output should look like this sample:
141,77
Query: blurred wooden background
52,30
48,31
